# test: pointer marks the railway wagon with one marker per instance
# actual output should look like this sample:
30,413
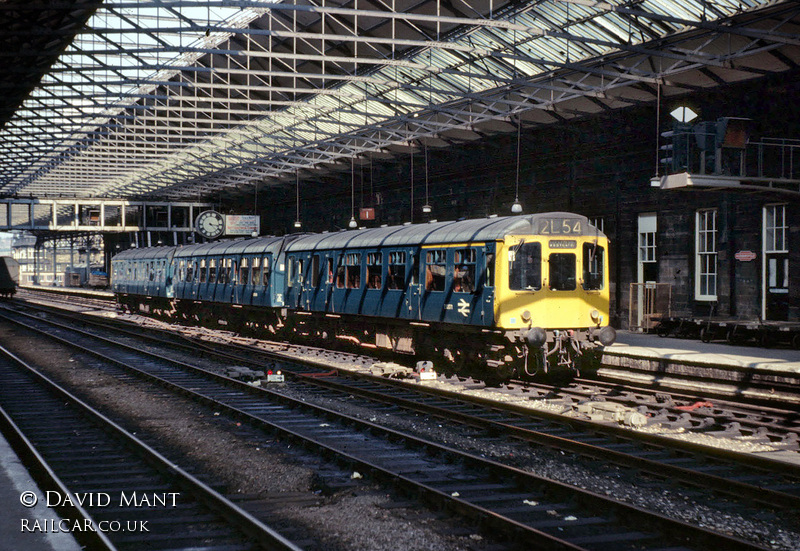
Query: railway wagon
496,296
9,276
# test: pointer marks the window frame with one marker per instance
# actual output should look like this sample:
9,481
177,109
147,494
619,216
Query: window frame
375,270
706,254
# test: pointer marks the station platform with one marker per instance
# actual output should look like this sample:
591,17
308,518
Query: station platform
18,523
79,291
772,374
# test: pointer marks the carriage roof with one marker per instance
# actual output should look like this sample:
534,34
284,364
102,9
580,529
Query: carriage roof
435,233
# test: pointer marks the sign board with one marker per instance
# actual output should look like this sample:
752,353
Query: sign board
366,213
745,256
236,224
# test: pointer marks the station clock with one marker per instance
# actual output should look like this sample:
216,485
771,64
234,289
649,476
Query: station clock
210,224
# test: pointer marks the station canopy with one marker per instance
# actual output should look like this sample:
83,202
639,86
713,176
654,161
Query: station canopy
185,99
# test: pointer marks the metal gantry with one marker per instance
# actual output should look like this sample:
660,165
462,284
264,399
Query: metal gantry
181,99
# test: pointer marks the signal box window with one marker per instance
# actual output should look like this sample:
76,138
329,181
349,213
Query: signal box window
593,259
464,270
525,267
435,270
562,272
374,270
353,264
396,277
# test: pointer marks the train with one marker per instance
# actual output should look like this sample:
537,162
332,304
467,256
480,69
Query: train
498,297
9,276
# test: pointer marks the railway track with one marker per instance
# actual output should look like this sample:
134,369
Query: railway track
769,482
133,498
768,423
760,423
505,498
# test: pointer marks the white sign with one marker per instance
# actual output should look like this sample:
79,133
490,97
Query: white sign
240,224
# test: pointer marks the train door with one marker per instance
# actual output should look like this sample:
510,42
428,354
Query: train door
294,281
463,301
414,294
169,277
330,272
435,269
193,283
245,289
394,297
311,281
775,264
486,284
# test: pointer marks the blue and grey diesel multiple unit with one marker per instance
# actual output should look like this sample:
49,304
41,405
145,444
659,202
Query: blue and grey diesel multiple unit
497,296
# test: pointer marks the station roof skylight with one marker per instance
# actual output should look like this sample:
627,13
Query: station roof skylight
180,99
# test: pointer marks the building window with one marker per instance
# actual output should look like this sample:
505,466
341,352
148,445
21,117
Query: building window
706,255
647,247
775,229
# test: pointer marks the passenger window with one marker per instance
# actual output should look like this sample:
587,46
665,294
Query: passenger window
525,267
353,263
290,271
265,272
562,272
489,258
203,271
256,271
396,277
464,270
190,271
435,270
340,273
212,271
222,274
330,271
593,259
244,271
374,270
315,275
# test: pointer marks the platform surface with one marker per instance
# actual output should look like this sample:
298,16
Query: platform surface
17,522
714,353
